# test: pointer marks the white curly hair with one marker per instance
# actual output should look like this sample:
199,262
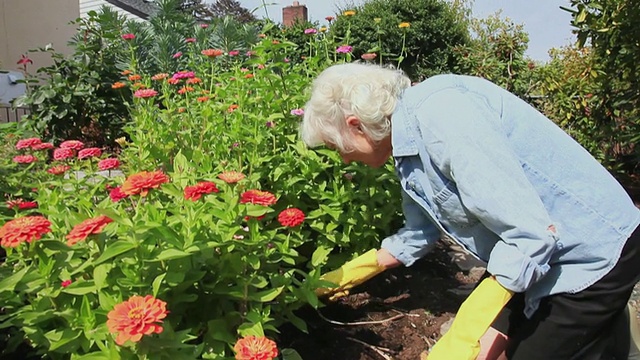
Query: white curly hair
367,91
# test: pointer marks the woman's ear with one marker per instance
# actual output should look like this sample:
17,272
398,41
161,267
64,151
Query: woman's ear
353,123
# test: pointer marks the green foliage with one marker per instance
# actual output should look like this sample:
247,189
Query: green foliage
423,49
225,268
496,53
612,28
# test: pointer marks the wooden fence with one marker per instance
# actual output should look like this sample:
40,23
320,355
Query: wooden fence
9,114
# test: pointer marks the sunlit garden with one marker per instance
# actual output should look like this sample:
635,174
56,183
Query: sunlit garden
158,203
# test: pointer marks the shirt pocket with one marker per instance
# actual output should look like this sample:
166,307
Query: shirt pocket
452,211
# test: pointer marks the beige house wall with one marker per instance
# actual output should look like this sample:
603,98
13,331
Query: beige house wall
29,24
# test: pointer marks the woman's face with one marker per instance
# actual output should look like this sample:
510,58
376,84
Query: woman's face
374,154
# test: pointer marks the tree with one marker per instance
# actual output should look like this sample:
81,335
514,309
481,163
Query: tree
222,8
199,10
425,46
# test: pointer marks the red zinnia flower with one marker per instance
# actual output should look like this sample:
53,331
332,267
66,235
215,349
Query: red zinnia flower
42,146
258,197
27,143
128,37
136,317
145,93
116,194
28,228
61,154
255,348
24,159
84,229
231,177
24,60
195,192
21,204
59,169
89,152
141,182
291,217
108,164
72,144
65,283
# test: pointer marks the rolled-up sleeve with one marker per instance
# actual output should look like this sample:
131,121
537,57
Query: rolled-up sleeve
416,238
472,148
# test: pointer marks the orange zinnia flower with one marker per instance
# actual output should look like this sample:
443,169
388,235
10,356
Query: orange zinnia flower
195,80
135,77
185,89
28,228
258,197
291,217
160,76
118,85
255,348
248,76
126,72
232,108
59,169
196,191
141,182
82,231
231,177
212,52
135,317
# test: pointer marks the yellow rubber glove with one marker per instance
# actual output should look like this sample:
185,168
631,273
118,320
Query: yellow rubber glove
352,273
478,311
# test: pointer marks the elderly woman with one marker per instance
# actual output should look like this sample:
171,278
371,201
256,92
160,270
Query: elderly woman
482,167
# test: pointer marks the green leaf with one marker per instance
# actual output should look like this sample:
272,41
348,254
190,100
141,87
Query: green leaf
170,254
80,288
320,255
114,250
100,275
267,295
9,283
155,286
247,329
92,356
290,354
56,245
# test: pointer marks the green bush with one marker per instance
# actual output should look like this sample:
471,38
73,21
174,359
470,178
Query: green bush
423,49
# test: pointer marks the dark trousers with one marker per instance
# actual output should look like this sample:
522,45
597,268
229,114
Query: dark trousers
574,326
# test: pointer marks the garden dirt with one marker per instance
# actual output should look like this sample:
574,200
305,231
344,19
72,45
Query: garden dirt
396,315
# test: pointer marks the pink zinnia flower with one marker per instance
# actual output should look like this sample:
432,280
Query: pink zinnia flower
27,143
310,31
24,159
24,60
297,112
72,144
62,154
177,55
128,37
190,40
145,93
108,164
234,53
65,283
344,49
204,26
42,146
89,153
183,75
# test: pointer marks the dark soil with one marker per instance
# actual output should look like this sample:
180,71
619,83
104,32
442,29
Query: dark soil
415,299
418,300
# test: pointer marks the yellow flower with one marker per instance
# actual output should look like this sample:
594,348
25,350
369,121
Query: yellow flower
122,141
349,13
377,20
323,29
404,25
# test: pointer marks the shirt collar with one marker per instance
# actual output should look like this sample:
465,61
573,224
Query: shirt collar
403,132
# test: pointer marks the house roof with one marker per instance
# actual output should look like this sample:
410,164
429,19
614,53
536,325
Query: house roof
140,8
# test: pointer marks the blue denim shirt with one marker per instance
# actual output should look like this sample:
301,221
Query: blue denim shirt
483,167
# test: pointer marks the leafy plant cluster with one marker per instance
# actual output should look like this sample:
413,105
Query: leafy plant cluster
212,269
